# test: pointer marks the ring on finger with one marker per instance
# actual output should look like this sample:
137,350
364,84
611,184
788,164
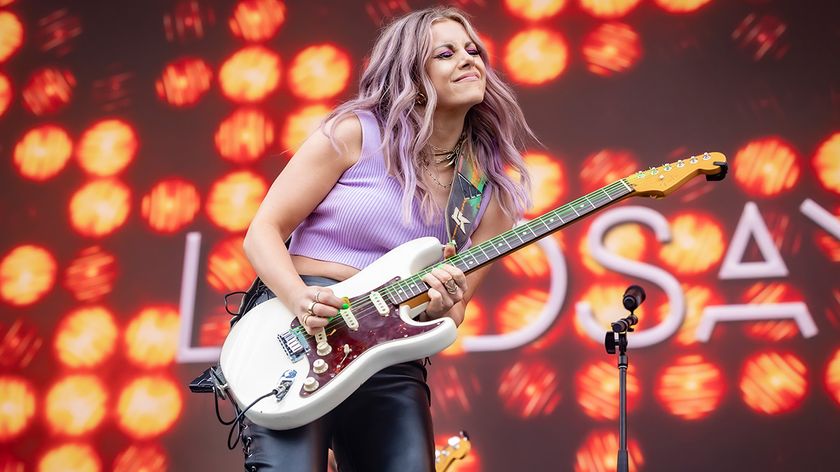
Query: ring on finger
451,286
311,306
317,294
305,317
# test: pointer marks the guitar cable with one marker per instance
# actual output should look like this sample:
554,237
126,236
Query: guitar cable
235,422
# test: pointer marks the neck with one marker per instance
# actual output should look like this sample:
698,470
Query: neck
447,127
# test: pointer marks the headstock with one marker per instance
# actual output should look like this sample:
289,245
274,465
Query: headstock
457,447
658,182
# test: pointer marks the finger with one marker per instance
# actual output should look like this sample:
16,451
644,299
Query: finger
456,273
448,251
314,323
441,274
328,297
324,311
434,281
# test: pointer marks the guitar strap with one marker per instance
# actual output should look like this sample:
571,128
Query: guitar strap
464,200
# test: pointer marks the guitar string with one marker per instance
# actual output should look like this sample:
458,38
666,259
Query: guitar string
392,289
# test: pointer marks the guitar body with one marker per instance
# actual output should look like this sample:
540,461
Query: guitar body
255,359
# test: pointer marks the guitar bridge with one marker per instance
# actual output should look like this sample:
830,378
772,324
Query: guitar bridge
293,344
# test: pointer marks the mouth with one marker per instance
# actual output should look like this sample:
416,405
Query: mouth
467,77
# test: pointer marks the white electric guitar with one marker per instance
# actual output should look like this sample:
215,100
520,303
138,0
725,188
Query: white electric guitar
286,378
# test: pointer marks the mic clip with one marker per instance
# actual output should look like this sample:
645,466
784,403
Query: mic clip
625,324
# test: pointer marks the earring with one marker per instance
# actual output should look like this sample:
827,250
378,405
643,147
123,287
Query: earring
420,99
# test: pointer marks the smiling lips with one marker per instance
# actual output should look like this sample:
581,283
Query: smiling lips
471,75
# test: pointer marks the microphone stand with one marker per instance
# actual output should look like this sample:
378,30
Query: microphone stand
618,338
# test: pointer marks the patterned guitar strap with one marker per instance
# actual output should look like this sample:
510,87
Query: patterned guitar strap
464,201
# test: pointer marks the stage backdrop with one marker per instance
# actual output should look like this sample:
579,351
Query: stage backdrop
138,137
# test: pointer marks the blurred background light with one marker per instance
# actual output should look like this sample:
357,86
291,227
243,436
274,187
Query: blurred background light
596,386
19,344
91,274
608,9
170,205
149,406
100,207
184,81
228,269
548,181
27,273
827,163
244,136
86,337
611,48
530,388
17,406
233,200
832,376
73,457
43,152
597,453
773,383
319,72
141,458
151,337
11,35
250,74
535,10
301,123
536,56
681,6
75,405
690,387
257,20
107,147
626,240
696,245
766,167
48,90
6,93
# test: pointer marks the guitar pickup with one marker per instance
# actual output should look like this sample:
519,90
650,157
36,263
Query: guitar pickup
379,303
293,344
347,314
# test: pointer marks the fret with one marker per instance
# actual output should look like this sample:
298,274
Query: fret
567,217
586,197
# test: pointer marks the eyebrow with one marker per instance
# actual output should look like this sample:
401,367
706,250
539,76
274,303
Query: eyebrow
450,45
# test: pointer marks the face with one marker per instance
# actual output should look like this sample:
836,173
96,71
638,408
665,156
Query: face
455,67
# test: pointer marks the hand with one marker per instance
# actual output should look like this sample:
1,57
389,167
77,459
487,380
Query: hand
315,306
448,285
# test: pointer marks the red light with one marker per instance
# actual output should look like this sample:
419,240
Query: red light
250,75
774,383
608,9
76,405
766,167
605,167
548,178
43,152
107,147
188,20
301,123
17,406
598,453
91,274
100,207
86,337
184,82
170,205
149,406
597,390
681,6
832,376
762,36
520,309
257,20
48,90
536,56
11,35
612,48
227,267
244,136
57,30
82,457
234,199
319,72
151,337
141,458
530,389
696,245
773,292
18,344
535,10
27,273
691,388
826,163
5,93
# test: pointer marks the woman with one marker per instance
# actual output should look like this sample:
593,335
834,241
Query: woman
379,173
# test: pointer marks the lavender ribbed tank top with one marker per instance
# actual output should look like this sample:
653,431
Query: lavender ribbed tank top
361,218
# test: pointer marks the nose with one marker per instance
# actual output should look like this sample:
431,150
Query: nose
468,60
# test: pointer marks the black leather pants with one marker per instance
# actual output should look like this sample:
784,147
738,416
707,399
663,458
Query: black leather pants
384,426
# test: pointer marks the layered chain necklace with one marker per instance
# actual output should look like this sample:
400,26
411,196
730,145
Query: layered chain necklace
444,156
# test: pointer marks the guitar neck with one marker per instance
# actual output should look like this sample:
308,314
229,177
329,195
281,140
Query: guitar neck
518,237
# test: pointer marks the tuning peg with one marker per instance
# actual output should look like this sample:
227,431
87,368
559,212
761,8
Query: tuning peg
706,156
680,163
693,160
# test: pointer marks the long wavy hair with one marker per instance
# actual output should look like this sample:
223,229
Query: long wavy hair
495,129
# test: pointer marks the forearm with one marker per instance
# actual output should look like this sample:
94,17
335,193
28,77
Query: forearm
266,251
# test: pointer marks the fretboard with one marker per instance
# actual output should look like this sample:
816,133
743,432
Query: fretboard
518,237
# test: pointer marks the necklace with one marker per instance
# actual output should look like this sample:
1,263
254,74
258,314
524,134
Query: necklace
448,156
429,173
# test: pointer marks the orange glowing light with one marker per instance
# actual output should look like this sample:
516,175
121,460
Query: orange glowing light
214,328
86,337
766,167
19,342
681,6
17,406
257,20
697,297
773,383
227,267
832,376
691,388
244,136
536,56
76,405
535,9
149,406
548,178
605,301
151,338
141,458
43,152
530,389
528,262
475,323
48,90
234,199
26,274
696,246
5,93
826,163
598,453
319,72
301,124
107,147
184,82
611,48
91,274
170,205
72,457
773,292
100,207
11,35
605,167
626,240
608,9
520,309
597,390
250,74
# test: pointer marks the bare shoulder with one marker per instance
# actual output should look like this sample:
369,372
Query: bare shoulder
347,132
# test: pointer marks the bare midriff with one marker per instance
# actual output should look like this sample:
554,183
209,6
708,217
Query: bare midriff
331,270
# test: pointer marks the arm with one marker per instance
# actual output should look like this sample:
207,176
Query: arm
494,222
308,177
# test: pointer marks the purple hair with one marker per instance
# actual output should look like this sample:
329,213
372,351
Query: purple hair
389,86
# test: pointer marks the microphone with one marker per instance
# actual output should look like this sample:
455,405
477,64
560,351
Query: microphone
633,297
